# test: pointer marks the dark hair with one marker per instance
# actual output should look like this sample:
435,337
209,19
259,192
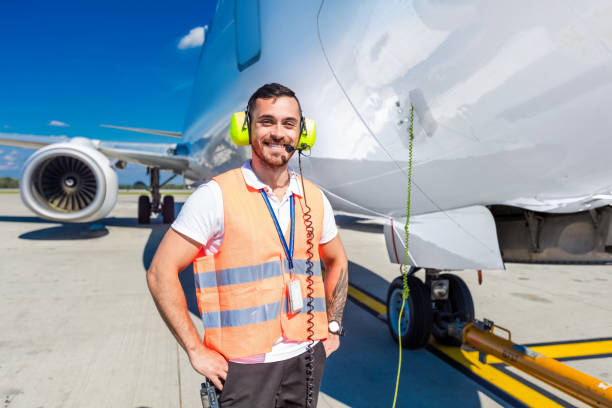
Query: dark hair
269,91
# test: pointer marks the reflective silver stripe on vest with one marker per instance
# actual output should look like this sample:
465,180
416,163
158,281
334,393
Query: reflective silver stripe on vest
319,305
300,266
247,274
232,276
251,315
241,317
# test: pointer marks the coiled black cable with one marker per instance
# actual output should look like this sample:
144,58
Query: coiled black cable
309,292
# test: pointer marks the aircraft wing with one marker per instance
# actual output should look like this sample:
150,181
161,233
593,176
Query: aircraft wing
165,160
148,131
31,142
159,155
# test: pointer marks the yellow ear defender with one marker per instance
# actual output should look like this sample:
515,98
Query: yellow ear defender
239,131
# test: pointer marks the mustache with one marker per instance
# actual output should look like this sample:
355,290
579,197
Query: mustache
287,144
280,141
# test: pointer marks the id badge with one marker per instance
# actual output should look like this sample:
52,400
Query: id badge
296,303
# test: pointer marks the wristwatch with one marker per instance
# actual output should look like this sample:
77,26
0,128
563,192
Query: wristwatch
335,328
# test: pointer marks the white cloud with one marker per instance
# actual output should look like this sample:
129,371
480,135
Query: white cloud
13,159
58,123
10,156
195,38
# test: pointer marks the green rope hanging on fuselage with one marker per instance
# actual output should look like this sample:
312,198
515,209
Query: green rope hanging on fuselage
404,266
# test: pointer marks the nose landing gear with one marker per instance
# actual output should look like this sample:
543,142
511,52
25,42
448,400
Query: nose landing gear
155,205
443,306
432,307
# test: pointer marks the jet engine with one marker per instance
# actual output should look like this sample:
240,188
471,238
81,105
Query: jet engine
69,182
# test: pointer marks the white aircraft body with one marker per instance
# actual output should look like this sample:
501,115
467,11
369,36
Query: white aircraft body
511,122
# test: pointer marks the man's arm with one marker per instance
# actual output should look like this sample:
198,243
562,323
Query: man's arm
174,253
336,285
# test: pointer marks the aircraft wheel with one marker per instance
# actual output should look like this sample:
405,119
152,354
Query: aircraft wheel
459,307
144,209
168,209
417,316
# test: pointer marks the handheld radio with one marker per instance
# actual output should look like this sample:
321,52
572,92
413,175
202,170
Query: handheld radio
208,394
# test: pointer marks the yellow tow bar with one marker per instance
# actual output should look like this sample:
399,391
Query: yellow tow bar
481,336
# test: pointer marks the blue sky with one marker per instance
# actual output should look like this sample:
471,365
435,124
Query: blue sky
69,66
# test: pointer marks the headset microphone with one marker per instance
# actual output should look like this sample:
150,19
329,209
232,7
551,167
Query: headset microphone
291,149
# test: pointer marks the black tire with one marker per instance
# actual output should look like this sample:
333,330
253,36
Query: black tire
168,209
416,325
459,303
144,209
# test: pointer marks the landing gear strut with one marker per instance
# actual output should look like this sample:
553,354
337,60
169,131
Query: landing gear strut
155,205
456,307
432,307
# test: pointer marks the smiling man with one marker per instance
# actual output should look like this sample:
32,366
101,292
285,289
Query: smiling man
247,229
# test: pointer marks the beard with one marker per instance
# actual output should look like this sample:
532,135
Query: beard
271,160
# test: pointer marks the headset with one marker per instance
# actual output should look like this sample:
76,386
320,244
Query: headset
240,128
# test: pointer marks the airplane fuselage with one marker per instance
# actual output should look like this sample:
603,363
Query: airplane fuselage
508,99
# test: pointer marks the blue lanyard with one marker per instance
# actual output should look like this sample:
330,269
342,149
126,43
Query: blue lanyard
288,250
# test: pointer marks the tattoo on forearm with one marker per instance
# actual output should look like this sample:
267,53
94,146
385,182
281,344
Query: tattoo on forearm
335,304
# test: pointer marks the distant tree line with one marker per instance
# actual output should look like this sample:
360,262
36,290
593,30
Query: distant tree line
166,187
8,182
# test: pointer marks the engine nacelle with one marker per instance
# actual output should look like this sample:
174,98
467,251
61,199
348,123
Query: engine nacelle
69,182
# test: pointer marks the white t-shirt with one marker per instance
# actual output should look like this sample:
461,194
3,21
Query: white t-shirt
202,220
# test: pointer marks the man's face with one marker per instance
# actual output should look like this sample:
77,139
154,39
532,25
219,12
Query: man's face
275,122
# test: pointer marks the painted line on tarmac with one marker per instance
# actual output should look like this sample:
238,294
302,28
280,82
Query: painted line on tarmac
490,371
368,301
527,379
511,390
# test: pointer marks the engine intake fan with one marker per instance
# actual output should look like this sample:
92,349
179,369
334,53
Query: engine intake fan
66,183
69,182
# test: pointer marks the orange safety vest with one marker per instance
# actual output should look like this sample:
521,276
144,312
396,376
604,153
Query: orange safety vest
242,289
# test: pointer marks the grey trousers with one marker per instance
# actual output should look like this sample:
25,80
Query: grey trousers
271,385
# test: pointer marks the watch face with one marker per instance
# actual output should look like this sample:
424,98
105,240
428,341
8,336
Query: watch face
334,326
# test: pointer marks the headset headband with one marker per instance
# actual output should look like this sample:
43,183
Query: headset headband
241,124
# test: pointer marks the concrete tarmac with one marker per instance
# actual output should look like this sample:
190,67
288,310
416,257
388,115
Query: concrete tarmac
79,327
